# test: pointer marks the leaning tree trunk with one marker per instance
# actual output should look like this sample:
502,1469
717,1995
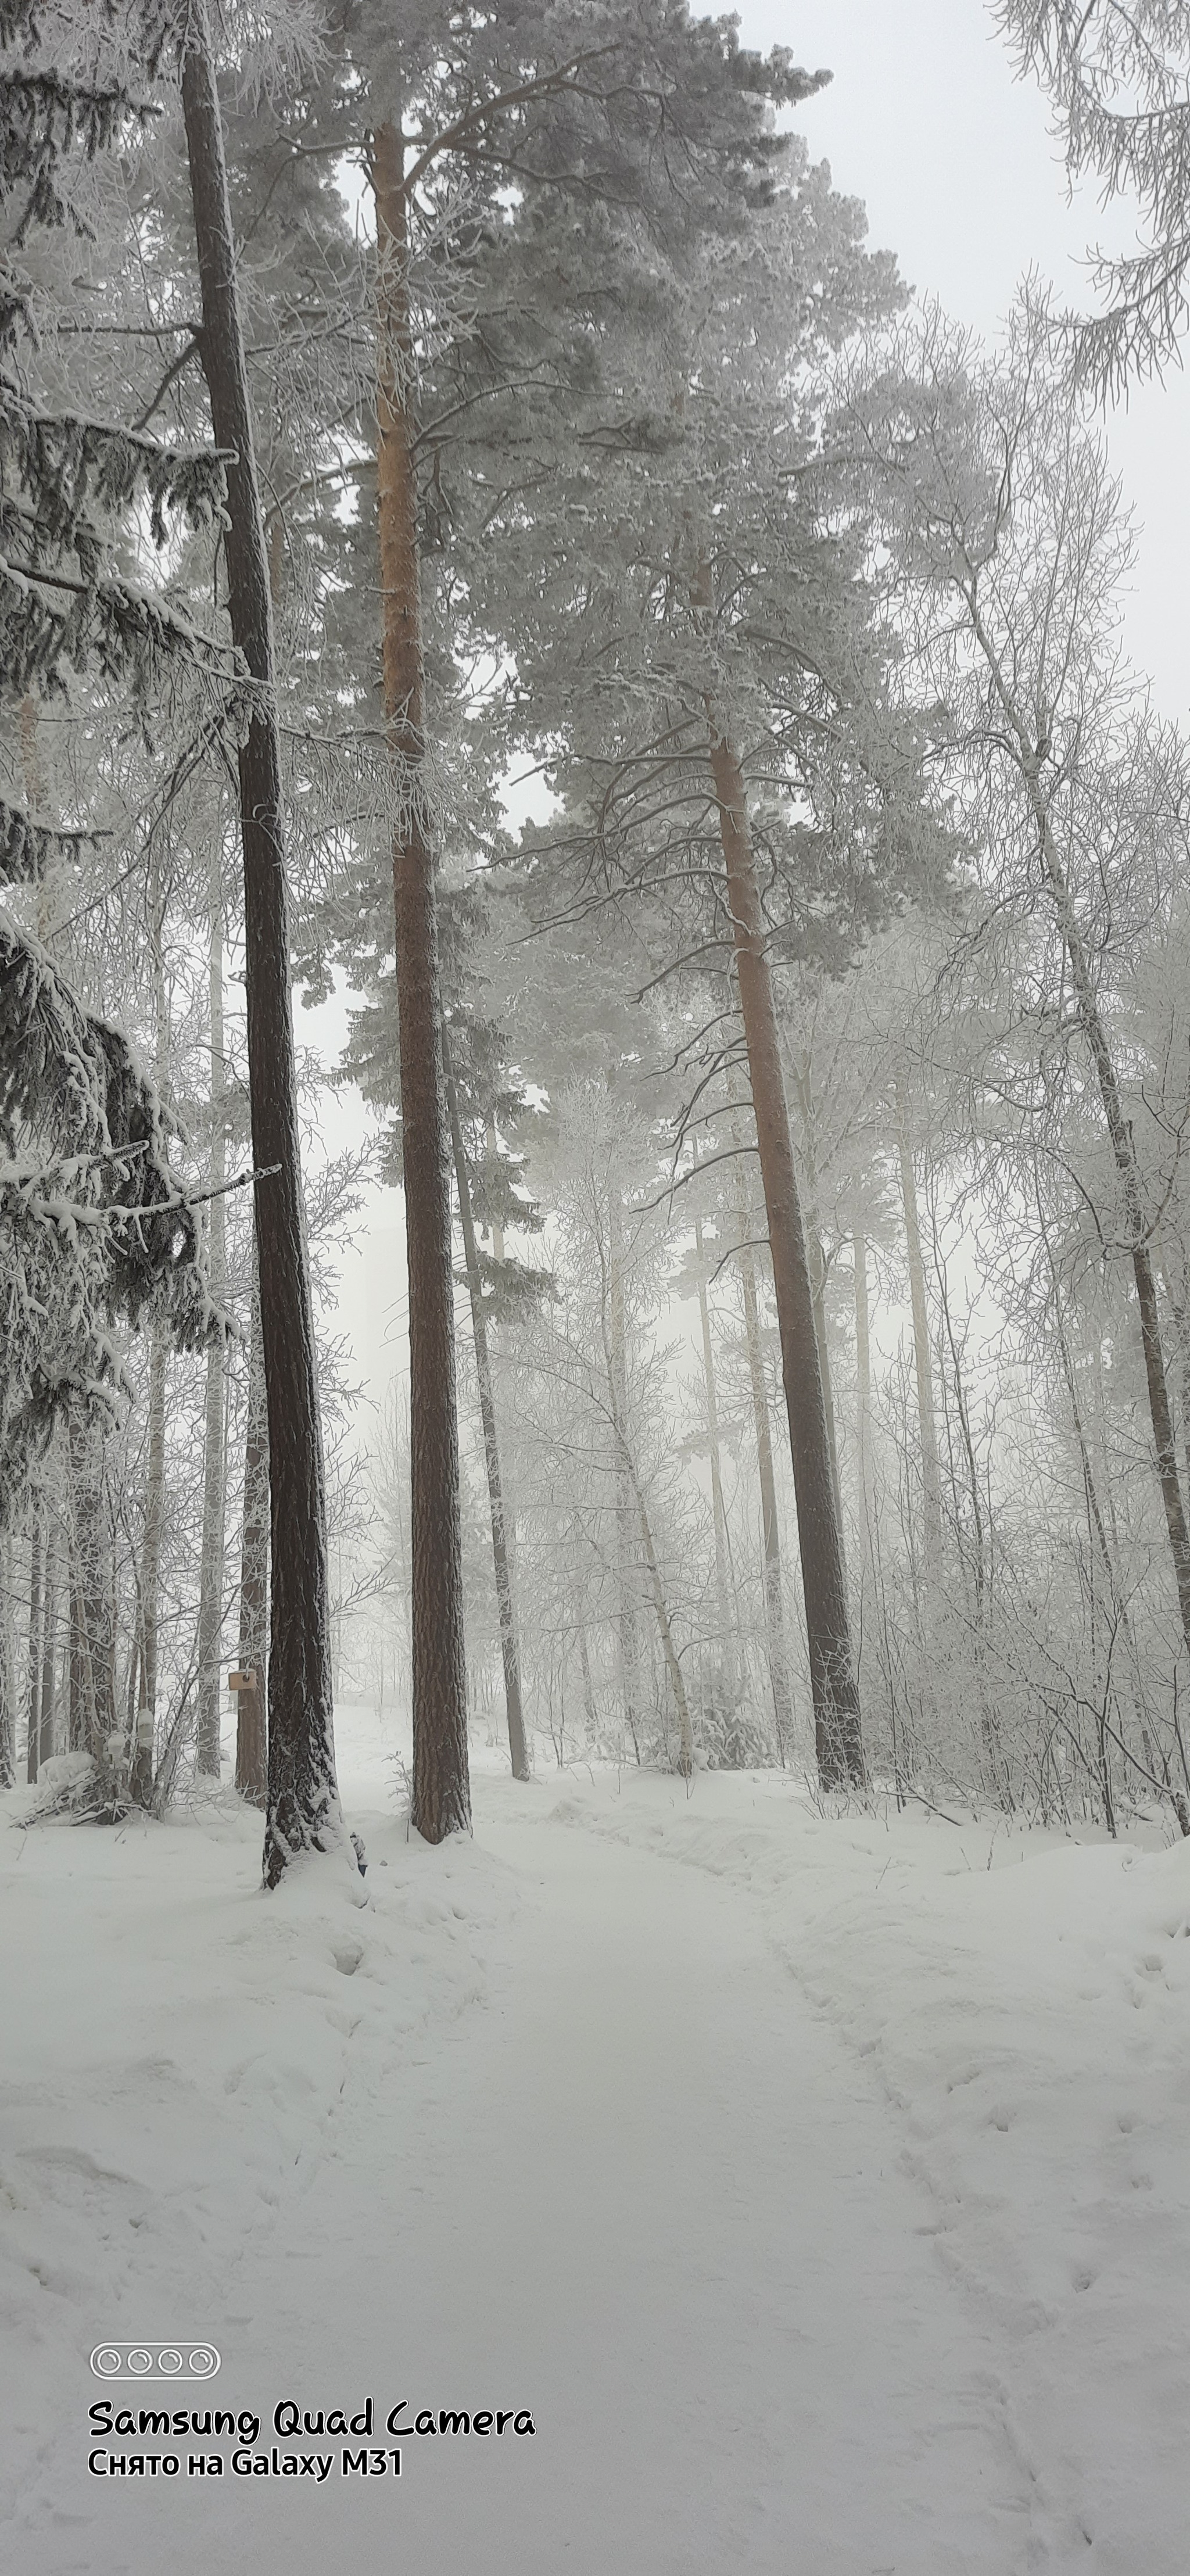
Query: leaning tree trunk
214,1488
491,1445
774,1598
837,1733
1119,1128
251,1699
303,1800
441,1802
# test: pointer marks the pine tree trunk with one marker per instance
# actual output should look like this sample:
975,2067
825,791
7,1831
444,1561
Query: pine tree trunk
774,1599
718,1515
303,1801
817,1264
150,1572
251,1731
210,1592
33,1735
441,1801
837,1734
518,1750
922,1368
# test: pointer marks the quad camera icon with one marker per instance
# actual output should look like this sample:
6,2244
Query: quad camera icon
155,2361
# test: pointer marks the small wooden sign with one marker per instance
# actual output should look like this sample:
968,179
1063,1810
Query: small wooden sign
241,1681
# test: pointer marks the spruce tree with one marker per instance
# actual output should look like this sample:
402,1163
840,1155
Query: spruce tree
94,1227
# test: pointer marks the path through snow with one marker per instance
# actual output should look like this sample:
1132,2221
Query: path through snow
550,2125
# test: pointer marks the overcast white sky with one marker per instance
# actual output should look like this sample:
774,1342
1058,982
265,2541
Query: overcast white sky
953,159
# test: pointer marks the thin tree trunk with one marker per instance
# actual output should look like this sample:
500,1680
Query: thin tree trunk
615,1361
441,1801
588,1691
251,1704
1181,1322
863,1424
838,1737
303,1800
616,1356
863,1378
150,1572
75,1688
33,1736
8,1729
1115,1584
210,1592
922,1370
664,1630
48,1645
96,1641
1120,1132
963,1410
491,1446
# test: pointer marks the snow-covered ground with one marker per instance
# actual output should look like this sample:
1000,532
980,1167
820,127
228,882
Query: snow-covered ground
819,2187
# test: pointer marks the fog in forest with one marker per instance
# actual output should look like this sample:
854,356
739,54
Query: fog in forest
595,1258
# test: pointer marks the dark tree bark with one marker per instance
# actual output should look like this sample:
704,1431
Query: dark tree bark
837,1735
8,1731
774,1598
48,1642
141,1782
491,1445
33,1736
441,1801
251,1730
214,1489
303,1800
724,1619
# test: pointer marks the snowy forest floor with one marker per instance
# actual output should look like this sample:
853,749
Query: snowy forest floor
822,2191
